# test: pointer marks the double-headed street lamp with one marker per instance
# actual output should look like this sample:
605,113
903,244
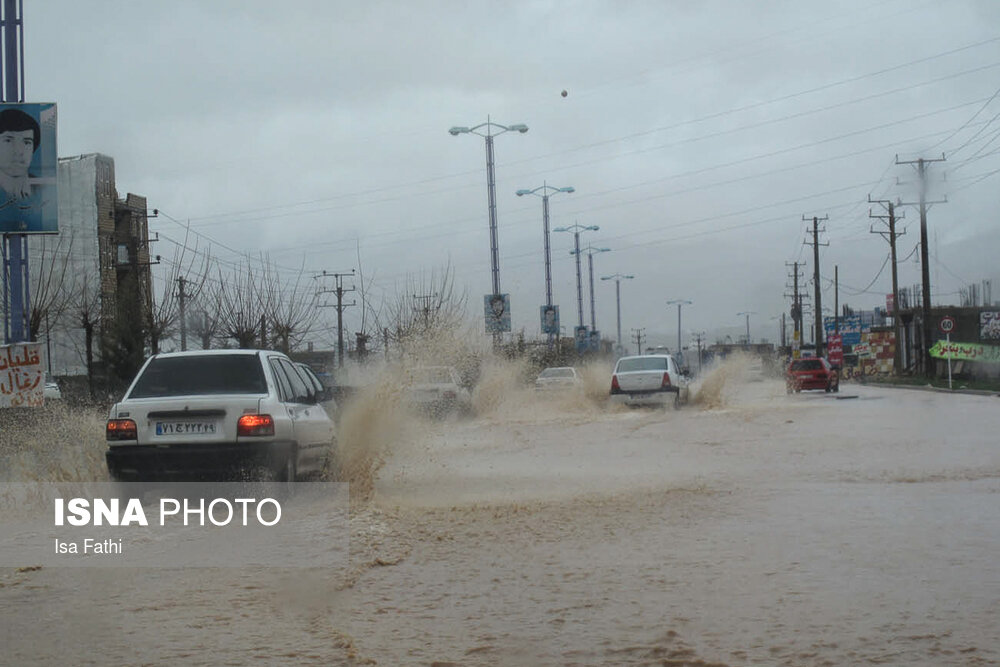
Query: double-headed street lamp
618,277
491,131
679,302
545,188
577,229
590,251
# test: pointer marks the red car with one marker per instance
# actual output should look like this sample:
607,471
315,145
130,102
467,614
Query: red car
811,373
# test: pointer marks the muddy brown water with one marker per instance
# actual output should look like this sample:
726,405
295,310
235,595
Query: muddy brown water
750,528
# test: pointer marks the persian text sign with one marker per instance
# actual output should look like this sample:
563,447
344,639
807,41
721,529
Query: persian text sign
21,375
989,354
989,325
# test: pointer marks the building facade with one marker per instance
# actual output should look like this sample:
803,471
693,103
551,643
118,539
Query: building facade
91,283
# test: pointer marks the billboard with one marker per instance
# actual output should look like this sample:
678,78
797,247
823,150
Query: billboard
496,308
21,375
851,328
28,164
550,319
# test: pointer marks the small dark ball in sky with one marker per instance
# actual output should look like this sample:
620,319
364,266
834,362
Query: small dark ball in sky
564,93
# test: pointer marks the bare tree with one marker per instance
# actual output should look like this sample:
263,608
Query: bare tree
51,283
427,306
242,297
188,265
293,308
203,315
88,317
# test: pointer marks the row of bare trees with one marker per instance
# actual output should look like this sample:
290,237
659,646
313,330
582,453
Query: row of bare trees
207,303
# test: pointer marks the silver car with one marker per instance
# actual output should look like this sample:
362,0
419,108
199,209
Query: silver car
212,414
651,379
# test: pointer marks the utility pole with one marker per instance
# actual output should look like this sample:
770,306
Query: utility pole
679,302
836,299
698,337
891,236
925,269
339,291
638,337
796,306
181,296
818,303
748,314
618,277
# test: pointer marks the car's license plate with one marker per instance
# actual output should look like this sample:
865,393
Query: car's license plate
185,428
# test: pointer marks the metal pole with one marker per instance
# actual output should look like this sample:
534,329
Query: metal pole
947,339
618,307
897,357
579,278
925,274
590,269
491,188
678,329
548,256
16,275
817,303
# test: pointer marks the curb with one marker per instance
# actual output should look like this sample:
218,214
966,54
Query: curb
943,390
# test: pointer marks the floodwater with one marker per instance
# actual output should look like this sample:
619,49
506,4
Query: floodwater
749,528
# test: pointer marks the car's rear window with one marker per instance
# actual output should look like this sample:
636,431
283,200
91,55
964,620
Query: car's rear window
557,373
642,364
200,375
807,365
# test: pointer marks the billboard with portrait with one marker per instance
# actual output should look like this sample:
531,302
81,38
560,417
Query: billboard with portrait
28,164
550,320
496,308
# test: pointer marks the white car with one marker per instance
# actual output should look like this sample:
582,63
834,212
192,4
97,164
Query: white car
210,414
437,391
51,392
651,379
559,377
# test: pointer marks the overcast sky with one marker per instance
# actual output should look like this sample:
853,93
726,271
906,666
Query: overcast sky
697,136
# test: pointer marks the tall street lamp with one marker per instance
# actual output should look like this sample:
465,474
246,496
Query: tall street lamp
492,130
679,302
618,277
545,188
590,251
577,229
748,314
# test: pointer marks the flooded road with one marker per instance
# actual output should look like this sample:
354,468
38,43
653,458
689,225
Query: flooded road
751,528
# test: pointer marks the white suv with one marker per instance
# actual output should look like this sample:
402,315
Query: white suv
215,413
650,379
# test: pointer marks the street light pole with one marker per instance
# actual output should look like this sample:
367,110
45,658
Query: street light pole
577,229
545,231
679,302
748,314
591,251
618,277
491,190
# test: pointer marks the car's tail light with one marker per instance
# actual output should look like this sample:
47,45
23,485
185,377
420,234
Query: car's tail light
666,380
615,387
255,425
121,429
450,395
